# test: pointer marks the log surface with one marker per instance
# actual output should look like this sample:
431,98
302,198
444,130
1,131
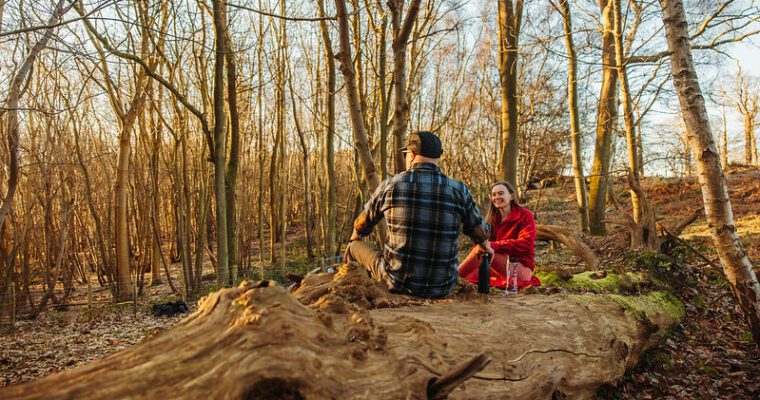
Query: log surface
259,341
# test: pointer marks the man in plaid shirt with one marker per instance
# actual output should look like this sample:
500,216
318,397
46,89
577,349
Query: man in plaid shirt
424,209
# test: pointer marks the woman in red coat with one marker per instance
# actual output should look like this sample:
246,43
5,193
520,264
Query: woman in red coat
513,235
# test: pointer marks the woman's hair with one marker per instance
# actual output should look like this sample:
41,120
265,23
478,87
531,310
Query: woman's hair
492,210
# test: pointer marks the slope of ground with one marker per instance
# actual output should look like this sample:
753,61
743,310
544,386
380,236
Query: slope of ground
710,355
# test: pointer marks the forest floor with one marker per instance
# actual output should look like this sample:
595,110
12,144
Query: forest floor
710,355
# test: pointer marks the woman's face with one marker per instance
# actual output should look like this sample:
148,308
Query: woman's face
500,196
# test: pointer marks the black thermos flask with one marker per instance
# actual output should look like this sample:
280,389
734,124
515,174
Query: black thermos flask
484,273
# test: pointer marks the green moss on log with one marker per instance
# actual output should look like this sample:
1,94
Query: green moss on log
594,281
652,306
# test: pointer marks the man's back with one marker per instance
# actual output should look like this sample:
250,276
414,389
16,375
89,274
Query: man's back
424,209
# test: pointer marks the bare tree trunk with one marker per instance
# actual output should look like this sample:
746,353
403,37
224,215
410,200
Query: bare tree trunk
606,122
157,130
11,105
123,277
357,123
510,18
330,247
282,106
754,148
274,188
747,105
220,145
309,212
724,141
644,231
718,209
260,128
402,29
748,139
99,236
232,165
384,97
575,129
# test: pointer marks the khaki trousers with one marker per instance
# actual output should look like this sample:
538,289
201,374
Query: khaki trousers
369,257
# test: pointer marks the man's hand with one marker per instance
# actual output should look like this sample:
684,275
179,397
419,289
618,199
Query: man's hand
485,247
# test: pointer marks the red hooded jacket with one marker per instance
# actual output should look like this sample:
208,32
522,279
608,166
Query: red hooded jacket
515,235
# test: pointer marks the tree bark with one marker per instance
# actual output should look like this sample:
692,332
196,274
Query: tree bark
329,164
220,145
402,29
606,121
357,122
724,141
575,130
383,96
308,212
644,231
510,18
257,341
733,256
262,343
260,138
157,129
232,164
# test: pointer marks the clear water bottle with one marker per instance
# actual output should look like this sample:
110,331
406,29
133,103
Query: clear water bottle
512,267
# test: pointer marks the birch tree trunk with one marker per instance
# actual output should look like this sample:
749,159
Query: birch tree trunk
575,130
718,209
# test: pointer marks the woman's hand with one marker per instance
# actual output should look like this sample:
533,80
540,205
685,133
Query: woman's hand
485,247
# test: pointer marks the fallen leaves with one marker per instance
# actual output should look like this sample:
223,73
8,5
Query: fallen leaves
57,341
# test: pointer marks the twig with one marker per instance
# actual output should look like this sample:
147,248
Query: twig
439,388
695,251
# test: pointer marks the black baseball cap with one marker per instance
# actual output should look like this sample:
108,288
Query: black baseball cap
424,143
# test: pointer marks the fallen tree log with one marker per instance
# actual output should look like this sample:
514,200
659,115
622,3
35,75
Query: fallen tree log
542,347
678,227
570,239
258,341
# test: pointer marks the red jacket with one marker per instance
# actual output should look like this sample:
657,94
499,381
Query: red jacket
515,235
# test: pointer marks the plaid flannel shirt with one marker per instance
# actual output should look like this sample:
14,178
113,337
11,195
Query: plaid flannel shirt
424,210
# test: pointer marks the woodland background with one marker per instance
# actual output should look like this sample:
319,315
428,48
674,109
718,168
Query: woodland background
145,139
